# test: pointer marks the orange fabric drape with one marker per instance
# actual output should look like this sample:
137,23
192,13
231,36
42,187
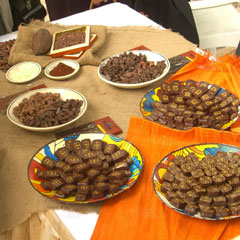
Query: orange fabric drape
138,213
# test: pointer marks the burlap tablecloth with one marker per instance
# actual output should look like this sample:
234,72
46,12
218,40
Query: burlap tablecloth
18,199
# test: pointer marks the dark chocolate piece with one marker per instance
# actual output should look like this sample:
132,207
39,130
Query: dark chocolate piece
61,153
97,145
68,188
196,174
101,186
59,165
92,173
219,179
213,191
56,183
48,163
191,196
191,209
73,159
46,185
219,201
109,149
60,194
77,176
80,197
81,168
68,179
76,146
86,143
113,188
69,144
178,203
96,194
89,155
83,189
205,181
166,186
95,163
167,176
205,200
170,195
119,155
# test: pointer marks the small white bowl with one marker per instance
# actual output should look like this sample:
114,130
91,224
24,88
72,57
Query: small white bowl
151,56
65,94
51,66
23,72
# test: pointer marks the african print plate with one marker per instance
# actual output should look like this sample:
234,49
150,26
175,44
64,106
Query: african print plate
50,148
146,108
201,151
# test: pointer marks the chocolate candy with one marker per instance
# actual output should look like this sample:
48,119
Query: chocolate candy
97,145
109,149
197,173
207,212
219,201
92,173
46,185
95,163
191,196
76,146
233,197
166,186
170,195
205,181
168,177
68,188
178,203
48,163
96,194
83,189
88,155
61,153
56,183
213,191
81,168
191,209
221,212
118,155
80,197
86,143
60,194
205,200
84,170
73,159
219,179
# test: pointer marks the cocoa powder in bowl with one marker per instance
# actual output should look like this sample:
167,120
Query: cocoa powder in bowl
61,70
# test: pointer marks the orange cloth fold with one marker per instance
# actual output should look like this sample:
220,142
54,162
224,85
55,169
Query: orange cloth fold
138,213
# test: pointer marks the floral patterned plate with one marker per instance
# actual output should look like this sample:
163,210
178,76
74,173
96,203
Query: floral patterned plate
201,150
50,148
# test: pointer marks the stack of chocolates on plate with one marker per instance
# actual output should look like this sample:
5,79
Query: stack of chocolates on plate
184,105
210,186
86,169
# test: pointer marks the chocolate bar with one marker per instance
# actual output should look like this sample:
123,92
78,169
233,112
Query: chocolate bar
48,163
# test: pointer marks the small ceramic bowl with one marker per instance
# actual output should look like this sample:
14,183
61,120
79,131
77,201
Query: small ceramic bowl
23,72
70,63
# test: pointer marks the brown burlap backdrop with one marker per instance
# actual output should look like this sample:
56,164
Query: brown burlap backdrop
17,197
22,50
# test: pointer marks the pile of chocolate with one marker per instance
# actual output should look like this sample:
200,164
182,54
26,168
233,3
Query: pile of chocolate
86,169
131,68
5,49
193,104
210,186
46,110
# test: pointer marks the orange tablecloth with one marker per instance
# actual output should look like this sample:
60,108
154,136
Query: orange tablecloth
138,213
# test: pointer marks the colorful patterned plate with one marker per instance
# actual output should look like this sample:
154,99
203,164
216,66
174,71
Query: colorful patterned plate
151,96
50,148
201,150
